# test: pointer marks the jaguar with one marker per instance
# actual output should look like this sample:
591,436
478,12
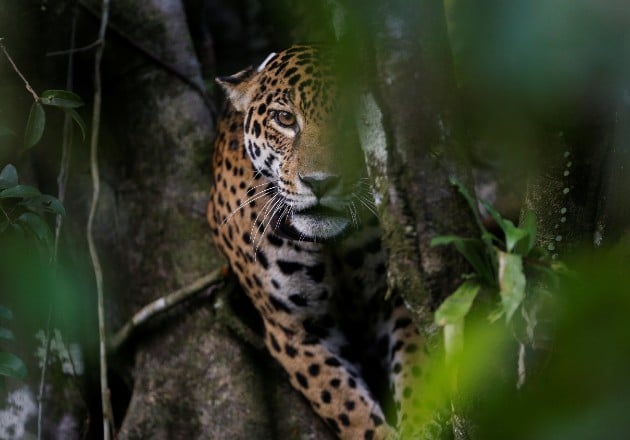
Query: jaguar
292,210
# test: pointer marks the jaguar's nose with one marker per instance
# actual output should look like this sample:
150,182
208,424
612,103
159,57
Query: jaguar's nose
321,183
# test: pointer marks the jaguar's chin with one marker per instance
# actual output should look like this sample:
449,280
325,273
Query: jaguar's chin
319,227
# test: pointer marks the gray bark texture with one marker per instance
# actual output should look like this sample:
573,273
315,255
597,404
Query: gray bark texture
415,89
191,376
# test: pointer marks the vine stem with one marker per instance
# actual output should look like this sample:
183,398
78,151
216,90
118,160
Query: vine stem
15,68
62,178
98,273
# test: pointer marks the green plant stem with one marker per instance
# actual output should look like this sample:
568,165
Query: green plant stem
5,214
15,68
62,178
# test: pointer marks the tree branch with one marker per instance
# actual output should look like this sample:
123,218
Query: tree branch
163,304
26,83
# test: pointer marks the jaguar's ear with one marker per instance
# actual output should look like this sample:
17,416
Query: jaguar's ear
238,88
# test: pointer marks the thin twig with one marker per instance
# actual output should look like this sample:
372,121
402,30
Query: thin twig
98,273
62,178
90,46
26,83
162,304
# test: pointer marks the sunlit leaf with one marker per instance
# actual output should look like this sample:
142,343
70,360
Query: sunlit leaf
61,98
511,282
496,314
35,125
456,306
453,338
79,121
7,334
19,191
11,365
9,175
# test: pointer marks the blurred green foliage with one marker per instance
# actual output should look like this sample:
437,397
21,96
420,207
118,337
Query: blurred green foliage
578,390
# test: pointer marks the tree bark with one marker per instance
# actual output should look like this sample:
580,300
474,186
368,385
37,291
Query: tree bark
415,97
191,376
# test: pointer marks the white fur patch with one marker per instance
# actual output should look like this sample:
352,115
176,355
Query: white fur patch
264,63
319,227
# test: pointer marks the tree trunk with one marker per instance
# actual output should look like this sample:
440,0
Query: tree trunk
192,377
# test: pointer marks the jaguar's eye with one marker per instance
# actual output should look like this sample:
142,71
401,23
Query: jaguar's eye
285,119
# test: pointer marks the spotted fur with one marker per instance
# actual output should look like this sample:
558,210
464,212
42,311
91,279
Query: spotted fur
291,210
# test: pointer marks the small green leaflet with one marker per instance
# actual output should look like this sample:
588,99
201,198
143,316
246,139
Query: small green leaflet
511,282
8,177
78,119
44,202
474,251
456,307
11,365
19,191
34,126
528,223
518,240
38,226
61,98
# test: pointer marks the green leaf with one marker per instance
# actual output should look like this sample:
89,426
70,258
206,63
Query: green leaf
9,175
11,365
496,314
79,121
7,334
453,339
19,230
45,203
486,237
5,313
6,132
529,224
472,201
19,191
456,306
441,240
511,282
493,213
474,251
34,126
38,226
61,98
516,239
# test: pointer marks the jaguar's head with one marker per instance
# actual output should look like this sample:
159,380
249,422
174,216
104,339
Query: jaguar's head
299,133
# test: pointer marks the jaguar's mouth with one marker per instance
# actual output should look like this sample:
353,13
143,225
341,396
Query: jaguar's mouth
316,223
320,210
